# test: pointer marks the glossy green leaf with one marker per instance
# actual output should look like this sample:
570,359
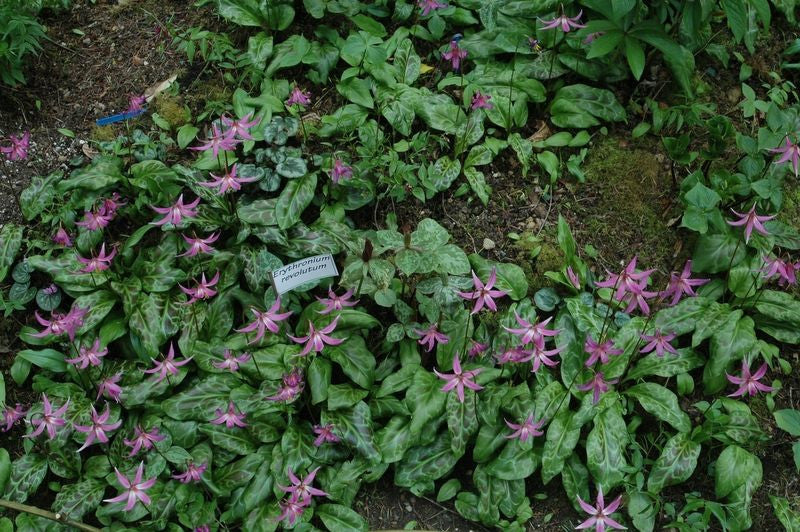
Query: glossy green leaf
295,197
676,463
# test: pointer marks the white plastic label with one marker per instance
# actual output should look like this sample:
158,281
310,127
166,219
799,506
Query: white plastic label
304,270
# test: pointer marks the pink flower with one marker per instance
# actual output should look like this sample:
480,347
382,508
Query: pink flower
89,356
219,140
682,284
133,489
541,356
110,205
325,434
62,238
525,430
659,342
455,55
334,302
240,128
229,418
430,5
777,267
142,438
483,294
535,333
50,419
600,352
600,515
573,278
302,489
751,221
231,362
459,379
749,383
292,386
61,323
193,473
97,430
136,103
199,245
228,181
177,212
476,349
168,365
340,171
598,385
19,147
481,101
315,340
266,321
564,22
298,97
637,297
202,528
627,279
12,415
431,336
93,221
593,36
789,153
203,289
98,263
109,386
513,354
291,509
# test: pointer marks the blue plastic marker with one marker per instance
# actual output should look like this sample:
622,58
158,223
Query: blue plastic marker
119,117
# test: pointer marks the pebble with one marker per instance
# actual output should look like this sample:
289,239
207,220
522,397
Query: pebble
407,507
488,243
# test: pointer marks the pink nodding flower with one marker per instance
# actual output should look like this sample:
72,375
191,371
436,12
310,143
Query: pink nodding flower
95,220
62,238
99,262
455,55
18,150
598,385
784,270
59,324
97,430
481,101
143,438
265,321
573,278
291,509
110,205
177,212
748,383
334,302
431,336
658,342
203,289
564,22
600,515
513,354
89,356
325,434
340,171
231,362
593,37
230,418
535,333
240,128
50,419
168,366
682,284
228,181
302,489
459,379
199,245
601,352
626,280
11,415
292,386
477,349
483,294
541,356
136,103
316,340
202,528
525,430
637,297
134,490
750,220
193,473
109,387
219,140
789,153
298,97
430,5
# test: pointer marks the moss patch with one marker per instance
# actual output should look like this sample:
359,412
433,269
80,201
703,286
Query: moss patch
102,133
171,109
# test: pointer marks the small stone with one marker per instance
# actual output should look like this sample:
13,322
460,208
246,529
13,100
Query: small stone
407,507
87,41
488,243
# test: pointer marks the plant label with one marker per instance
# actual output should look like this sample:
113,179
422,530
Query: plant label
303,271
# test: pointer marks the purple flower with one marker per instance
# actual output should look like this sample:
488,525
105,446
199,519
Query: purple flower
202,528
98,263
534,45
291,509
97,430
659,342
749,383
334,302
600,352
168,366
525,430
598,385
573,278
229,181
143,438
50,419
593,36
430,5
199,245
789,153
340,171
325,434
266,321
133,489
61,323
483,294
94,220
477,349
315,340
564,22
136,103
231,362
459,379
89,356
110,205
298,97
540,356
109,386
193,473
637,297
177,212
600,514
230,418
62,238
301,489
751,221
513,354
431,336
481,101
532,332
627,279
455,55
292,386
18,149
784,270
219,140
240,128
12,415
203,289
682,284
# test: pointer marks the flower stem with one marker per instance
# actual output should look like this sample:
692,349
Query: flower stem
511,87
57,517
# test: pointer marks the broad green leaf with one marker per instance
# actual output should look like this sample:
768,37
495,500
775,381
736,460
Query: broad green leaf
294,198
5,469
581,106
425,400
462,421
605,448
200,401
10,242
357,91
788,419
39,195
477,182
422,465
355,428
27,472
104,171
235,439
338,517
666,366
258,212
155,318
355,359
729,344
736,467
510,277
676,464
662,403
515,461
49,359
75,500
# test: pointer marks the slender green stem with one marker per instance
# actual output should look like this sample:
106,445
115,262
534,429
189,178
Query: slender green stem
57,517
511,87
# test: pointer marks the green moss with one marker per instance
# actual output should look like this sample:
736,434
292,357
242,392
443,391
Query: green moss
102,133
171,109
537,255
790,210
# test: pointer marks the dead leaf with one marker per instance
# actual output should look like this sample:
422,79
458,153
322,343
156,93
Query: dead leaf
541,133
152,91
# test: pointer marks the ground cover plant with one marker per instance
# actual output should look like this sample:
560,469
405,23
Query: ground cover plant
168,385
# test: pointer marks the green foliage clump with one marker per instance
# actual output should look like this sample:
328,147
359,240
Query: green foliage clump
20,34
